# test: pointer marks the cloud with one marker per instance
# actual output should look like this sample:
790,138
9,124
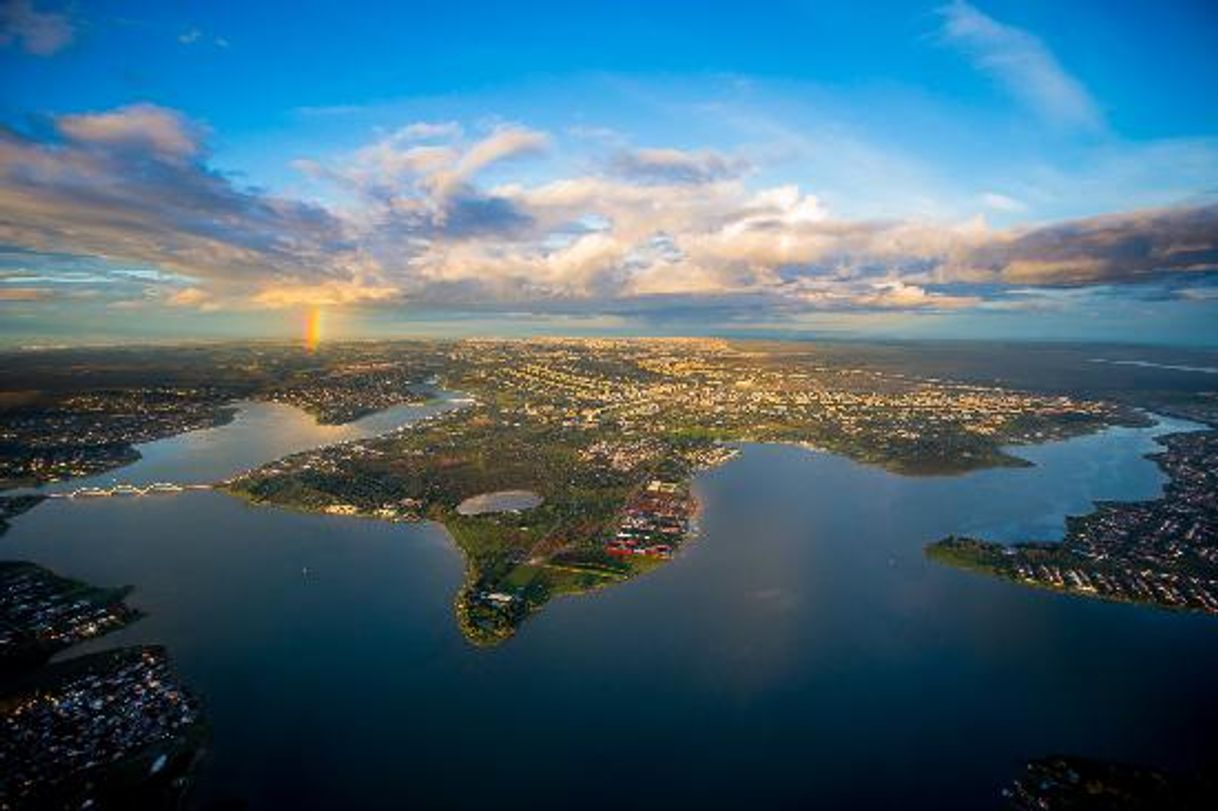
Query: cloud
130,184
1205,294
417,222
505,143
901,296
138,127
1023,63
189,297
413,191
1117,248
1003,203
676,166
196,36
24,294
473,214
334,293
430,130
396,164
41,33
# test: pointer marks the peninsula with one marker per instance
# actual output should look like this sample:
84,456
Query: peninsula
608,434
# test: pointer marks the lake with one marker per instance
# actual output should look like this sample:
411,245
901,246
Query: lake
499,501
260,432
800,651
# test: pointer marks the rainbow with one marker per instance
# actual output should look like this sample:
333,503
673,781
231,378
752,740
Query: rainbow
313,329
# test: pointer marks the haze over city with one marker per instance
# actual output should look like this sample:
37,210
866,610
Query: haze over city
183,171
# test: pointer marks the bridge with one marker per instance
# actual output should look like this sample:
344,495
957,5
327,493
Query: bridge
125,489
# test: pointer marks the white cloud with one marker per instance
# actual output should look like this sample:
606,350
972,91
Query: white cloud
430,130
396,165
504,143
418,223
196,36
1002,202
1022,62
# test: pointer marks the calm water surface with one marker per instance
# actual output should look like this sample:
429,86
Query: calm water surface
259,433
499,501
801,651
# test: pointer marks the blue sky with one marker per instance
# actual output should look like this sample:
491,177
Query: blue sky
995,169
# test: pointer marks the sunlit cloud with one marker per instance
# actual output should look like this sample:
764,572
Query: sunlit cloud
415,221
143,128
898,295
327,294
24,294
428,130
190,297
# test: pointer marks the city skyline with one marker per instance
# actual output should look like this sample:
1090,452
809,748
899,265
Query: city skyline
986,170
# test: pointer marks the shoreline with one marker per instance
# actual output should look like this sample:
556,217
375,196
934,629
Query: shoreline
1110,575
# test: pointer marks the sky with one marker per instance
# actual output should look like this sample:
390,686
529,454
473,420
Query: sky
961,170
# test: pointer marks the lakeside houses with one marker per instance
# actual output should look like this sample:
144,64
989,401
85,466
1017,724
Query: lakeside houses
654,521
1162,552
88,714
41,613
87,433
349,391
